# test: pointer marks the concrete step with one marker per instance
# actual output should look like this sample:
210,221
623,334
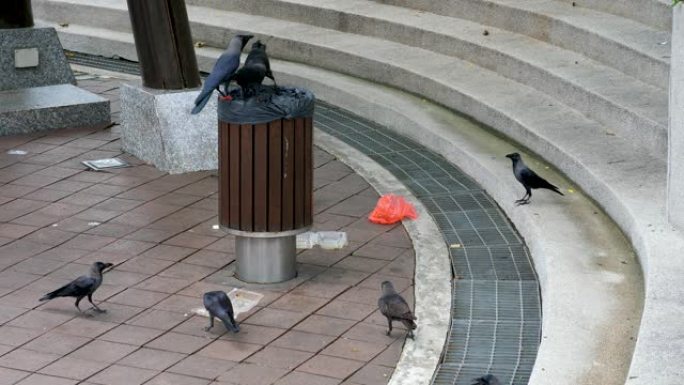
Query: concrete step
598,91
629,46
603,94
654,13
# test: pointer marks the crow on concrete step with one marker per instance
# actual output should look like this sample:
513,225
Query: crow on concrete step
256,68
83,286
223,70
528,178
394,307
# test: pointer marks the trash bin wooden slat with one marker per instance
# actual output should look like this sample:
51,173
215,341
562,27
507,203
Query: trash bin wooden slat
275,173
246,174
266,175
288,175
260,177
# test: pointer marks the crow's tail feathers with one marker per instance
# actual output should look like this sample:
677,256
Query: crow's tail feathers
556,190
200,102
232,326
50,295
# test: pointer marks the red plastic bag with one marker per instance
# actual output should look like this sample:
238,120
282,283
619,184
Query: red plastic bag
392,209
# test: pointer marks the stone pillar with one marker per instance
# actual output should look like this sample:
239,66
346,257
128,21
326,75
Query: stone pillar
675,172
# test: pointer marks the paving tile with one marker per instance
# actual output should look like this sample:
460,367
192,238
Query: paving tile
41,379
89,242
390,356
329,326
210,258
10,230
279,358
368,265
131,335
56,343
73,368
38,266
110,230
62,253
164,284
276,318
16,191
48,194
176,379
353,349
372,375
169,253
187,239
23,359
307,342
330,366
151,359
85,327
151,235
122,375
11,376
138,298
347,310
378,251
41,320
299,303
117,313
158,319
249,374
103,351
253,334
50,236
371,333
179,304
118,204
16,336
13,279
300,378
146,265
187,271
180,343
127,247
229,350
375,280
202,367
361,295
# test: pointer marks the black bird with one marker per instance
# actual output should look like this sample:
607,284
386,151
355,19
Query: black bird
223,70
83,286
394,307
218,305
487,380
528,178
256,68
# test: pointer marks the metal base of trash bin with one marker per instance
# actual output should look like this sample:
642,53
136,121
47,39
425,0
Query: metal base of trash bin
266,259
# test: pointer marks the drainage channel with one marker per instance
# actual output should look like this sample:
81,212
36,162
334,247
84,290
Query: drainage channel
496,310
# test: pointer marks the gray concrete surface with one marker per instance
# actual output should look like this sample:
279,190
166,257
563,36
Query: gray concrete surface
45,108
158,128
675,171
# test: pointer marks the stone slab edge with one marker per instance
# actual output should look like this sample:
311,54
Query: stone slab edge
432,291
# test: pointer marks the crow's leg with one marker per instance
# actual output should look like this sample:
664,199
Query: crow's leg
410,334
97,309
218,88
211,322
77,301
389,323
270,76
526,198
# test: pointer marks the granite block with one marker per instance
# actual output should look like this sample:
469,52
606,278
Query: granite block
50,107
52,68
158,128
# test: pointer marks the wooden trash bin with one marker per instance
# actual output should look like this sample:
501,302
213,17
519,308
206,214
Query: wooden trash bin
265,191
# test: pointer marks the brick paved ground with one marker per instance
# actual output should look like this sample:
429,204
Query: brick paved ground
56,219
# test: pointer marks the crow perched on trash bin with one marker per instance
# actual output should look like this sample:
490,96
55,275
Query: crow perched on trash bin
218,305
487,380
256,68
528,178
83,286
394,307
223,70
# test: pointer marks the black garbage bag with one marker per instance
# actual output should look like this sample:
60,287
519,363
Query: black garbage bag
267,104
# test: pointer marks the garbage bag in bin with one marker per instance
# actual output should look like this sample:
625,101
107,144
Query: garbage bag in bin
269,104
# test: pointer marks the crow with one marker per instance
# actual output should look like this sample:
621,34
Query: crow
487,380
256,68
218,305
528,178
223,70
82,286
395,308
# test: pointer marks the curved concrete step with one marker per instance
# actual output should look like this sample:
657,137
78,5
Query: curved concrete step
631,47
600,92
434,75
655,13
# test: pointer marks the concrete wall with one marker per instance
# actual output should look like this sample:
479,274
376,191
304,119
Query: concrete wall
675,178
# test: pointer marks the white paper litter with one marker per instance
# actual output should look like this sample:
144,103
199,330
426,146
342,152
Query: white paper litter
17,152
328,240
242,300
215,227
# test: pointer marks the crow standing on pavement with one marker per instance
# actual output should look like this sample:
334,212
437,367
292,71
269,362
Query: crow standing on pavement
395,308
218,305
256,68
82,286
528,178
223,70
487,380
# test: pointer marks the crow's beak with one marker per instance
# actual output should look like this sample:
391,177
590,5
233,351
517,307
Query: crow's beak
107,266
510,156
